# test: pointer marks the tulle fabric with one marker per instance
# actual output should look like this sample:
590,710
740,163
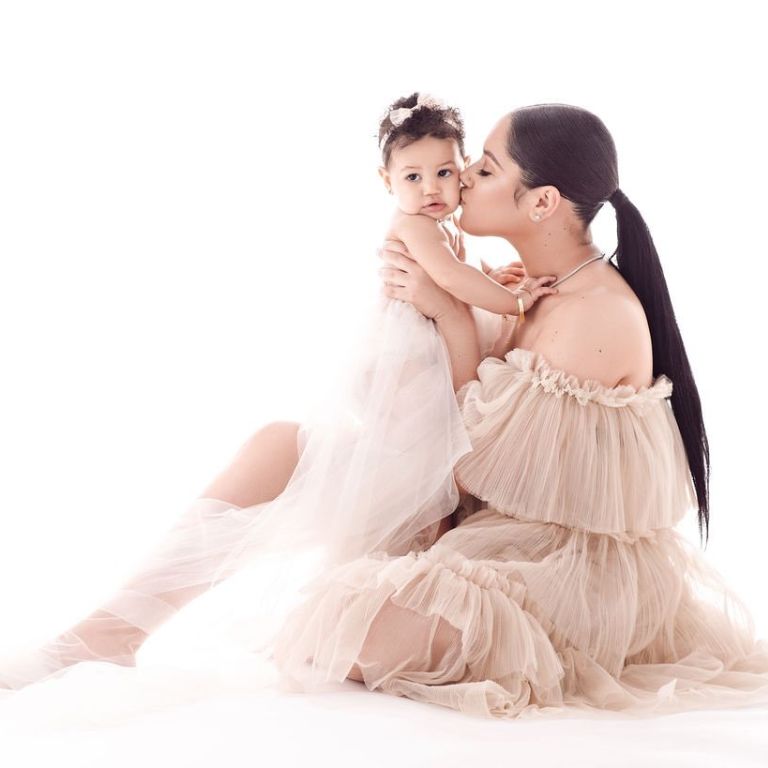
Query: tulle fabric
565,582
474,623
375,473
547,447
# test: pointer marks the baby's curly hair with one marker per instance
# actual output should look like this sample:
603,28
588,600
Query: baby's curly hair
444,123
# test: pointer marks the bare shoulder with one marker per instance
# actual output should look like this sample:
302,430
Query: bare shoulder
603,336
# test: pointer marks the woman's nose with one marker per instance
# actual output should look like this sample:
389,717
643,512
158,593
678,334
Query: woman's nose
465,177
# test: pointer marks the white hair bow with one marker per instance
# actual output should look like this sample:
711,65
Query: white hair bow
399,116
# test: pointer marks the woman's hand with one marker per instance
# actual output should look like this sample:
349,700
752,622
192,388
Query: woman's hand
514,272
461,251
405,279
457,242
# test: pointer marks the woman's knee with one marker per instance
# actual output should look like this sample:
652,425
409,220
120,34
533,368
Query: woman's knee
261,468
406,641
278,436
272,453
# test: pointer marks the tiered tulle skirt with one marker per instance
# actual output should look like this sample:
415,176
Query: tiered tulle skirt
503,617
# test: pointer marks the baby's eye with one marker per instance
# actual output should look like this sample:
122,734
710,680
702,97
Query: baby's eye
446,171
408,177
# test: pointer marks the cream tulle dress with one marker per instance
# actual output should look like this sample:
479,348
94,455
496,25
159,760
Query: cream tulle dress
565,582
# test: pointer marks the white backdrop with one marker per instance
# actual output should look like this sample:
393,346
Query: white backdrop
189,206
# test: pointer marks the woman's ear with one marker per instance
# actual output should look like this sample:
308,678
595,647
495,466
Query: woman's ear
546,203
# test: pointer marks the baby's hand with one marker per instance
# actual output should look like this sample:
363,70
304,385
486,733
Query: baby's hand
531,290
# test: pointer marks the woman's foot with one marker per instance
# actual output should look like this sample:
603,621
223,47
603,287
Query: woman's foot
100,637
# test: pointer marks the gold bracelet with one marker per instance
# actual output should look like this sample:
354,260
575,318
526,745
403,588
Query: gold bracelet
520,311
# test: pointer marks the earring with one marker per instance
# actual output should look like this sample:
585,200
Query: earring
536,217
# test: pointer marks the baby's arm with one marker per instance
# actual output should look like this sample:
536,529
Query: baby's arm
428,244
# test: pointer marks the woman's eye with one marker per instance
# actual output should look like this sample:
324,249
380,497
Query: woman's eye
447,171
481,172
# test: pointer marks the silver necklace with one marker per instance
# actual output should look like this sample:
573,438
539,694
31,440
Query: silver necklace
570,274
574,271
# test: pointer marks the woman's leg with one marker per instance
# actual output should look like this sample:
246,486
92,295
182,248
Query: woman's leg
259,472
261,468
393,621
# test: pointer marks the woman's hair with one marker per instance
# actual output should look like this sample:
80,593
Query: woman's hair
571,149
445,123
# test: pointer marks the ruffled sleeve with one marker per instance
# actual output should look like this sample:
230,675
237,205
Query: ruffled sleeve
549,447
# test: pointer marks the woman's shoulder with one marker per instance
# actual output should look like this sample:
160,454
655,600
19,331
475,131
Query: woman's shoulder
601,335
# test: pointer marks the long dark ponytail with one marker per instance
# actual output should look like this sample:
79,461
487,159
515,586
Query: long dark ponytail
571,149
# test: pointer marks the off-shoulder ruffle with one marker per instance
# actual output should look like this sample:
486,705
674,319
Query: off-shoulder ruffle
540,373
587,390
547,446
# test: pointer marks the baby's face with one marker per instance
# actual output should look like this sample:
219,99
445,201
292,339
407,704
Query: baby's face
424,176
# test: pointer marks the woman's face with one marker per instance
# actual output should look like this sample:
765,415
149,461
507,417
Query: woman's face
424,173
488,205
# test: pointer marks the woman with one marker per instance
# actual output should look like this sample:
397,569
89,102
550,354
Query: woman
563,581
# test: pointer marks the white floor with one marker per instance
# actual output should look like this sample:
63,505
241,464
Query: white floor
188,715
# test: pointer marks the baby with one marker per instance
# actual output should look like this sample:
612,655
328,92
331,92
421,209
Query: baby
422,145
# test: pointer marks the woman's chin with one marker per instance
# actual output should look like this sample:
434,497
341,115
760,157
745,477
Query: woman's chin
465,222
